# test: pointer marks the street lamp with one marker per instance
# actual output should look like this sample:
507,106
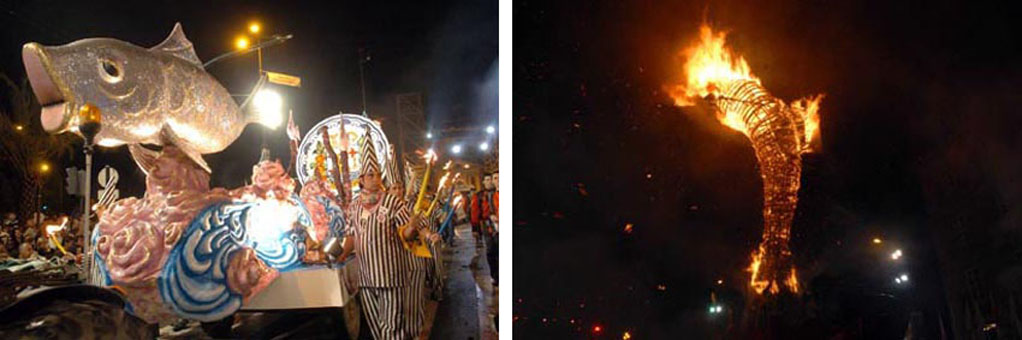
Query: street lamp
491,130
456,149
896,254
484,146
429,135
19,127
269,105
254,27
241,43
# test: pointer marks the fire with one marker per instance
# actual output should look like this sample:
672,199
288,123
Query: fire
780,132
756,283
792,281
430,156
709,63
809,107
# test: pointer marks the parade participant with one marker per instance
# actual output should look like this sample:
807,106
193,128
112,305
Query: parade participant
384,263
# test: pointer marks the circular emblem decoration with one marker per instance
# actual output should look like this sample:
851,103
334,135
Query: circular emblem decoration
312,150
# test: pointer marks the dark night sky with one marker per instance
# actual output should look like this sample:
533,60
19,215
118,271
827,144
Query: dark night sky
920,98
445,49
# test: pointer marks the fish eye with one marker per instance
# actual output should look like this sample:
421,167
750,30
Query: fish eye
110,71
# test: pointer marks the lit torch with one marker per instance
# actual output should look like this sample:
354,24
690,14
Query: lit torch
780,133
430,157
53,229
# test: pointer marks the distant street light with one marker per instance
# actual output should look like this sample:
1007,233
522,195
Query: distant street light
484,146
877,240
241,43
491,130
44,168
456,149
19,127
429,135
269,105
254,28
896,254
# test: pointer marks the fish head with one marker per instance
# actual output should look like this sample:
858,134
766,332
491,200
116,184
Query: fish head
115,76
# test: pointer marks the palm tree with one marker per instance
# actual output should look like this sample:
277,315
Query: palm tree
24,146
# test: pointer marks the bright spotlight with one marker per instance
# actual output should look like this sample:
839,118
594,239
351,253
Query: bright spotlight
456,148
491,130
484,146
269,104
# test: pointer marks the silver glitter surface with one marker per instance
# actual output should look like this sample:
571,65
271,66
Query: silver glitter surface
159,95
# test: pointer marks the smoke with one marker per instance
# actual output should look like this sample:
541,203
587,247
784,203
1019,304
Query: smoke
465,49
486,94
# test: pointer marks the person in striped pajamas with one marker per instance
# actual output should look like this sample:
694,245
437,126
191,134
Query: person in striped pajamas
384,264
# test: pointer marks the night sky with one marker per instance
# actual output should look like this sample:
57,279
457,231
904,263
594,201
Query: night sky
920,99
447,50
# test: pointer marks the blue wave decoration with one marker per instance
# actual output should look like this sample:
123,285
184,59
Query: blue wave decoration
194,279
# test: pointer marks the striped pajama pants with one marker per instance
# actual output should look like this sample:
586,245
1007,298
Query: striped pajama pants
415,302
383,309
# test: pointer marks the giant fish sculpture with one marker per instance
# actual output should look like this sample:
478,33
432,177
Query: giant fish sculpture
182,250
159,95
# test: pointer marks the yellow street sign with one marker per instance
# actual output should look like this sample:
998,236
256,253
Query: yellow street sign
283,79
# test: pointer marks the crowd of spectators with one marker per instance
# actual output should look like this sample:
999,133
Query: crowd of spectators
28,238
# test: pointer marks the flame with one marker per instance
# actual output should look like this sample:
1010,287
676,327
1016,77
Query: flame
443,182
792,281
809,107
757,259
708,63
54,228
429,156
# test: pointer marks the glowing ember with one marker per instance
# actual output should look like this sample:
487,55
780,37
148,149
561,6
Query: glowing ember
780,133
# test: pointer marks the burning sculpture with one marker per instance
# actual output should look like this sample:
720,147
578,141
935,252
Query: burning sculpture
183,249
780,133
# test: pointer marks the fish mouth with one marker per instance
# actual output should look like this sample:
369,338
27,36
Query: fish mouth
56,111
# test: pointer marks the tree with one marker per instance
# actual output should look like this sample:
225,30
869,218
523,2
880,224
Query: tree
24,146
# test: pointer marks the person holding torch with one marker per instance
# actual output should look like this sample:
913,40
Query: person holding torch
379,220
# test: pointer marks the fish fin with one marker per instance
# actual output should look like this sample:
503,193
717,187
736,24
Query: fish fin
170,138
144,158
178,46
197,158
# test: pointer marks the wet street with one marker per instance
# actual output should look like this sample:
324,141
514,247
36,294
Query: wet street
469,305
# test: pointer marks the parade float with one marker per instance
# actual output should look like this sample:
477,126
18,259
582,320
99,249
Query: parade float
185,250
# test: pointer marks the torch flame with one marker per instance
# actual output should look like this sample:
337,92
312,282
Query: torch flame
443,182
429,156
